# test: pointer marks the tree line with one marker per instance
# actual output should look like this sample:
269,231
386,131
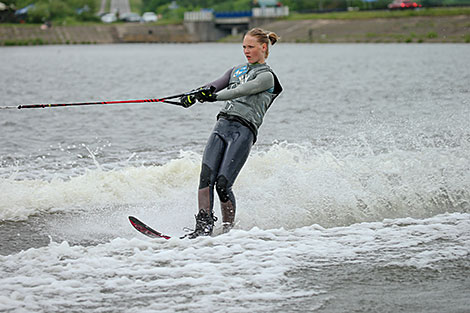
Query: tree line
41,11
301,6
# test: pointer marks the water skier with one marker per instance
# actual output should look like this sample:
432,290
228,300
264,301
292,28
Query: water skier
248,91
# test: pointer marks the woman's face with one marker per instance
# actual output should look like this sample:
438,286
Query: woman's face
253,50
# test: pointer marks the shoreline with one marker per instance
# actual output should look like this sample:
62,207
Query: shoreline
417,29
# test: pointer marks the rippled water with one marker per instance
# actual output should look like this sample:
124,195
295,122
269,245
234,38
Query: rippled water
355,197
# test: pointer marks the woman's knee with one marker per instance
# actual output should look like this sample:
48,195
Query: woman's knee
206,178
223,188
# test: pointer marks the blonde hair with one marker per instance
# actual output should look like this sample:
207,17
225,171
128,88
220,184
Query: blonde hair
263,36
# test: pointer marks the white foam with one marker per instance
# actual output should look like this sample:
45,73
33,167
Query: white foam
286,186
96,188
242,271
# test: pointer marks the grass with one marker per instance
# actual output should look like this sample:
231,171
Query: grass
40,42
431,35
136,6
371,37
382,14
68,22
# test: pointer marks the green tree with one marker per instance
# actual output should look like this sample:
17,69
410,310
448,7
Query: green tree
54,10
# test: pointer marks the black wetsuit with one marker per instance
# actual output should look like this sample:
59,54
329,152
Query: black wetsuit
225,154
250,91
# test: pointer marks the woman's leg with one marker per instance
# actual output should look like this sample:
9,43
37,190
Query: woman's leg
213,154
239,143
210,163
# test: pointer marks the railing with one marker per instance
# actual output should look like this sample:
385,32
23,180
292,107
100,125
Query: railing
271,12
199,16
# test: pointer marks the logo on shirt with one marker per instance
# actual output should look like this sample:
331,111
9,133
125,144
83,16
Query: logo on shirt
240,71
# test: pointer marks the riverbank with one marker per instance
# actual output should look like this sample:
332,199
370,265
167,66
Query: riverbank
419,29
442,29
11,35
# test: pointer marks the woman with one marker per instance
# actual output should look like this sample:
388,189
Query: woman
249,90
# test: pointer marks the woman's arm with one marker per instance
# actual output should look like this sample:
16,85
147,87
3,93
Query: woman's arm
262,82
221,82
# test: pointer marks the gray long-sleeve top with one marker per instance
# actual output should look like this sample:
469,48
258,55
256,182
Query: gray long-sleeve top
262,82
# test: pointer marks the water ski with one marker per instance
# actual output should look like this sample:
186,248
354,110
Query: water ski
145,229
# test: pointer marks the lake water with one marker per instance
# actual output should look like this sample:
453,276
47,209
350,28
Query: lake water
356,197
